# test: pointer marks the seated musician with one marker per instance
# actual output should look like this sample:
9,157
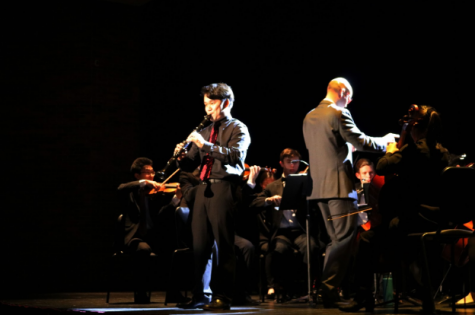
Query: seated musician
371,238
247,230
283,228
140,212
414,193
365,172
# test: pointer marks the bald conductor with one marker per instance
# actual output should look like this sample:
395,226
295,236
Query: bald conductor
329,130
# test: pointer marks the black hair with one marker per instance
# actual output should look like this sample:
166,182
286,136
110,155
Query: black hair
218,91
288,152
139,163
430,123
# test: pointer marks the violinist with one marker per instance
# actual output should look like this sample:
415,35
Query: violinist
256,179
328,130
140,219
371,241
282,230
220,149
414,192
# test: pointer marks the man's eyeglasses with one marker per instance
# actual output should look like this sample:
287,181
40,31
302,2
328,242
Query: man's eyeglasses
148,173
292,161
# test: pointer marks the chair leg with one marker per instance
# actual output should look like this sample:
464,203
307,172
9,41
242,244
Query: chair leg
262,287
428,302
108,279
443,280
172,287
452,258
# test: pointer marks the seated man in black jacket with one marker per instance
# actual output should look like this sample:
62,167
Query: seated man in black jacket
140,211
284,228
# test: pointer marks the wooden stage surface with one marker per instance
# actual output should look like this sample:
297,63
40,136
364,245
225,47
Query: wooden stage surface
122,303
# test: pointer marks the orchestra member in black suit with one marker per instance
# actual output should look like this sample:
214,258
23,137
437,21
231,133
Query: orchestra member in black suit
414,195
372,239
140,220
283,228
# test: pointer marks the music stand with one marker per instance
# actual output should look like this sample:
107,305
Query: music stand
365,188
293,191
297,186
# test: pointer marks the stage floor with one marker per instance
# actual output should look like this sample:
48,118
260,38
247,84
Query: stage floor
122,303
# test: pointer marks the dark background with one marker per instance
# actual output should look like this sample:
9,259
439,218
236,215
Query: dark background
88,86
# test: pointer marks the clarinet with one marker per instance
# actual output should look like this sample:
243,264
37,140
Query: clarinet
186,145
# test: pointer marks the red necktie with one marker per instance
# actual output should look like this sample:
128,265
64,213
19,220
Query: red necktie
208,160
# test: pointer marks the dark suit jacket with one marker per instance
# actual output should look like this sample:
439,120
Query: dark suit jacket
327,129
132,208
270,218
417,185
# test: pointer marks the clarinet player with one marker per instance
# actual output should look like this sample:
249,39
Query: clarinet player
220,149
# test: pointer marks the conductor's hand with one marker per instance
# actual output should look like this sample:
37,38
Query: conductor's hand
253,173
392,147
275,200
390,137
196,138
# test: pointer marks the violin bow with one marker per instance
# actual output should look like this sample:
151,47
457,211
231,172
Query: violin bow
166,180
331,218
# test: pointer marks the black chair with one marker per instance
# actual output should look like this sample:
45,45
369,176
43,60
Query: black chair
119,256
457,207
180,275
262,277
181,267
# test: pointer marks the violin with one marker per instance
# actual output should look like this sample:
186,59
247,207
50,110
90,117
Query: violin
247,171
167,188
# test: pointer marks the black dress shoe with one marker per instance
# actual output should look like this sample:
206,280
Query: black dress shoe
195,303
329,299
245,301
141,297
177,297
330,302
270,297
355,306
217,305
362,299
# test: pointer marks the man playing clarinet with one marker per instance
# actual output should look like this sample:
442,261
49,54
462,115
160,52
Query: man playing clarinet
220,149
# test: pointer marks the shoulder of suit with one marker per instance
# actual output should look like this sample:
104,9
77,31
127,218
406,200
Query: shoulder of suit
329,105
237,124
277,183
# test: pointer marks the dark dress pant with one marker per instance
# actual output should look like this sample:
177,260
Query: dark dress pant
341,233
213,220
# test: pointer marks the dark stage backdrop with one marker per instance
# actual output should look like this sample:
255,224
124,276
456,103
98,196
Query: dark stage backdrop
91,85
